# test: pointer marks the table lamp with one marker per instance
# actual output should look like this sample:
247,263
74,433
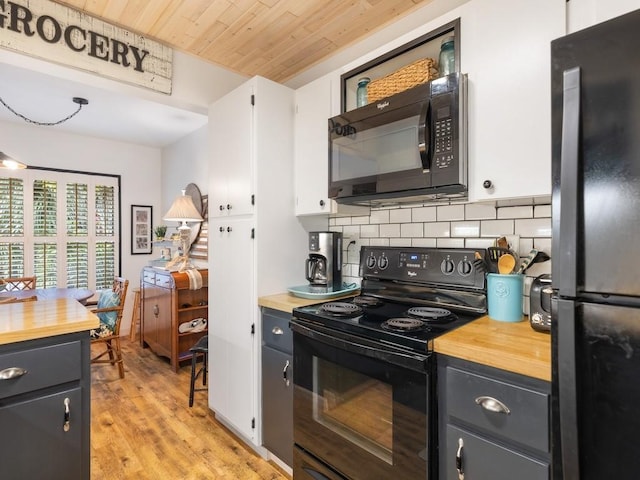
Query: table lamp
183,210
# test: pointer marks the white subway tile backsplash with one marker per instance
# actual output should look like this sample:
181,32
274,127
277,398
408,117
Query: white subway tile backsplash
423,242
495,228
465,229
437,229
351,231
542,211
359,220
369,231
423,214
450,242
400,215
455,225
543,244
478,242
379,216
400,242
533,227
450,212
516,212
412,230
480,211
390,230
343,221
379,242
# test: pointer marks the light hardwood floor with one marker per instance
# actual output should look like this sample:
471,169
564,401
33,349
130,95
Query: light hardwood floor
142,427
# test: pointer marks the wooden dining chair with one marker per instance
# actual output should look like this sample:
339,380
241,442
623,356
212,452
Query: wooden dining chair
109,311
18,283
32,298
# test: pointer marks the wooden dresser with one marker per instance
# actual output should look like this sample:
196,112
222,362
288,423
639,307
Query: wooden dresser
167,302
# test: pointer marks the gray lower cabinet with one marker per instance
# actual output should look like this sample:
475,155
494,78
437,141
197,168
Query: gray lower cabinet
492,424
277,384
44,408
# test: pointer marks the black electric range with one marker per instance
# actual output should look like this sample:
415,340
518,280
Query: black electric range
408,297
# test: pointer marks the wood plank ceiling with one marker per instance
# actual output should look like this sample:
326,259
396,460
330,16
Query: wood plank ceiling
276,39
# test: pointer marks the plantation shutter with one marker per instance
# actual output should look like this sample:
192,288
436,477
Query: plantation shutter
11,225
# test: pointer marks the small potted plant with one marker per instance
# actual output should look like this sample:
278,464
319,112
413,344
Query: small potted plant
160,232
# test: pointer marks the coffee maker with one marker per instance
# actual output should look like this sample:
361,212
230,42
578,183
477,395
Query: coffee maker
324,264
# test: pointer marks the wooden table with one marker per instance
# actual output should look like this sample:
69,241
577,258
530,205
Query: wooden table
79,294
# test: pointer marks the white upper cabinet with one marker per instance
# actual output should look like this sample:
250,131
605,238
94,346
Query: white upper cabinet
231,168
313,109
505,49
316,102
584,13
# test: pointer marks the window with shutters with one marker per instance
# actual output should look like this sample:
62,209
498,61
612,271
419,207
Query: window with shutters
66,233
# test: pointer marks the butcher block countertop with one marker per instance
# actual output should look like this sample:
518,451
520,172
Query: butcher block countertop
43,318
286,302
514,347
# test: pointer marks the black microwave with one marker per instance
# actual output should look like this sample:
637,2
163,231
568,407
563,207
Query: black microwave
410,146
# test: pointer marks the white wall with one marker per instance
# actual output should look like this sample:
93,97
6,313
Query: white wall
138,166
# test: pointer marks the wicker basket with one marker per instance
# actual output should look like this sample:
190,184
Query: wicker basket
409,76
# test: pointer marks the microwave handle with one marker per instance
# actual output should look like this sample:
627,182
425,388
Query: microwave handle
425,137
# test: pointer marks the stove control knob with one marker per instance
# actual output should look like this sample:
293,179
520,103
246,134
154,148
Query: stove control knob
465,268
371,261
383,262
447,266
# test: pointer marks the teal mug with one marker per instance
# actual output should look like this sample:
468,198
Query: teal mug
504,296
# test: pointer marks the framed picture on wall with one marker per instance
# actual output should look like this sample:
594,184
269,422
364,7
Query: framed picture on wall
141,229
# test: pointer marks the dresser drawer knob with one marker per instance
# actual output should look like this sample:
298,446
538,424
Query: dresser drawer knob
492,405
12,372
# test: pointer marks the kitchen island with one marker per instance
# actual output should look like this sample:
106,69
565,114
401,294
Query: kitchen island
45,383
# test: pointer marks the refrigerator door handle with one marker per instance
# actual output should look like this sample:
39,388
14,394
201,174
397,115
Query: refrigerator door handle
567,387
569,173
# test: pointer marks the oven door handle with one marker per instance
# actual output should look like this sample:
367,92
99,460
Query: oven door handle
365,347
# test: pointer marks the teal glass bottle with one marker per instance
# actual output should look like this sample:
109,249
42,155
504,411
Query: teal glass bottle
447,58
361,92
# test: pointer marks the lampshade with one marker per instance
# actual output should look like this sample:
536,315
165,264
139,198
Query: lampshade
183,210
7,162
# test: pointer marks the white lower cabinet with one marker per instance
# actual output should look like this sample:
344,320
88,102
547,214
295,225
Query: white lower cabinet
232,345
505,49
255,249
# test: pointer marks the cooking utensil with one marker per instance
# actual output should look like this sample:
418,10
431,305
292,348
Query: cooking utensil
506,263
527,261
480,264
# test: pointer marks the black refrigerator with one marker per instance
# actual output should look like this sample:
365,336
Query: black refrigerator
596,251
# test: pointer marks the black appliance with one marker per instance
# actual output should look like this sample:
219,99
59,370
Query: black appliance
540,296
323,266
409,146
364,375
596,226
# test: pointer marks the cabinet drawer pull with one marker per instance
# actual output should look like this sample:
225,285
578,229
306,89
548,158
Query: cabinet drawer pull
493,405
284,373
67,415
12,372
459,460
277,331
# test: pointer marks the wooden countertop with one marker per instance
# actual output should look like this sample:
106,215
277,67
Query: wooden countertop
43,318
514,347
286,302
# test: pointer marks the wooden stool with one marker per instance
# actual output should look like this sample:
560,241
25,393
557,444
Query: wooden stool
135,315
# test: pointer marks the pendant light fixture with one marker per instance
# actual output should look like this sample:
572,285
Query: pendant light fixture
10,163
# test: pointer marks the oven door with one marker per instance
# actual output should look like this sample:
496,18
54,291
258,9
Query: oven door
360,409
